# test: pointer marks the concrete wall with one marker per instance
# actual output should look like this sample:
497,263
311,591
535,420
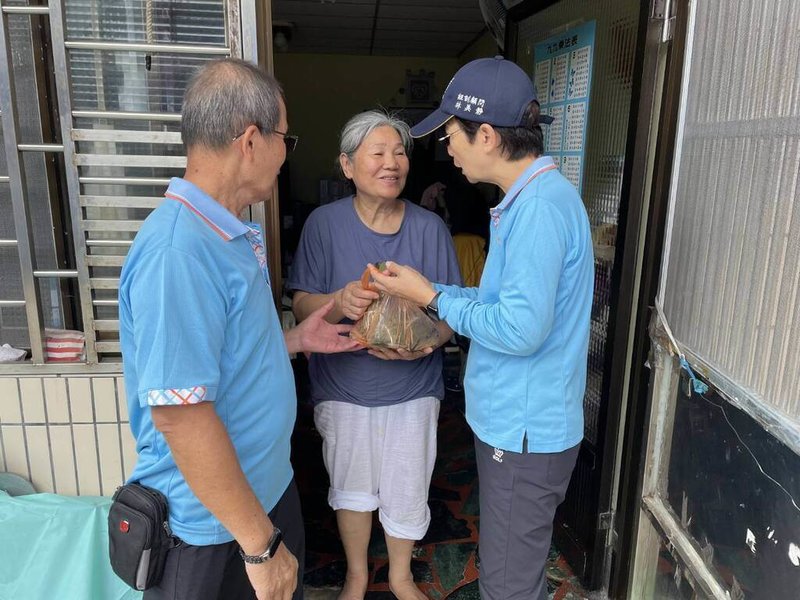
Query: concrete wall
324,90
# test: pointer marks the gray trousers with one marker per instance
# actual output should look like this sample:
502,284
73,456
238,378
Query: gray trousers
519,494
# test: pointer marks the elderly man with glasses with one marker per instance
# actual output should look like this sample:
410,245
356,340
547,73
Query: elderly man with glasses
210,388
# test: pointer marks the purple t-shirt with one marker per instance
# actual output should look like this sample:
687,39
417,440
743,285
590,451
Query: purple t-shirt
334,250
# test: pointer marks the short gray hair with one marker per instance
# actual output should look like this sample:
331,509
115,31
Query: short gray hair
223,98
356,130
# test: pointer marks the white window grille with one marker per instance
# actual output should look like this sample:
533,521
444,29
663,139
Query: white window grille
120,68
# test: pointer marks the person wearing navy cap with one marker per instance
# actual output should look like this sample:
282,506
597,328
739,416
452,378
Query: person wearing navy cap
528,320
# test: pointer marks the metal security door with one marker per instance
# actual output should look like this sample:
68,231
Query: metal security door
613,191
118,73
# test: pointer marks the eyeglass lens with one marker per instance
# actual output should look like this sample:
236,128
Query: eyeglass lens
291,142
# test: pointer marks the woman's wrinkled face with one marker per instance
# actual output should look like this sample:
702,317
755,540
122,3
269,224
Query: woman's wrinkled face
380,165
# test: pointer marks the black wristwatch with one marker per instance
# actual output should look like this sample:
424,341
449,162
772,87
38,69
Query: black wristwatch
432,310
272,548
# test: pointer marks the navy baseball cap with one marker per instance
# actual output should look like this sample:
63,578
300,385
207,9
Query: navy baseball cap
487,90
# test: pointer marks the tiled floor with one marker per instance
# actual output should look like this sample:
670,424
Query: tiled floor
444,562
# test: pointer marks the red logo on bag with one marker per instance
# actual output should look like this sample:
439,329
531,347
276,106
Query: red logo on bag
124,526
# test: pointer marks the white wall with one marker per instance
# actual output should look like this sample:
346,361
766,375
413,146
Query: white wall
66,434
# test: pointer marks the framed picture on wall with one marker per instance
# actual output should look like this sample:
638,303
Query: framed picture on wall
419,87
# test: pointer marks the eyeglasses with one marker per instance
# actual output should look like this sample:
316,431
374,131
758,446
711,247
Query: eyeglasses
445,139
289,140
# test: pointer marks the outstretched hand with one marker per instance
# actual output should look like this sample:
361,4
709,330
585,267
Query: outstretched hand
315,334
403,282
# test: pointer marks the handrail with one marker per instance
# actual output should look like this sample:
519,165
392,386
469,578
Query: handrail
60,274
26,10
149,48
133,116
40,147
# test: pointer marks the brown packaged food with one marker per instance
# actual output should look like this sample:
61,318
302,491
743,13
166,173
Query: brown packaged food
392,322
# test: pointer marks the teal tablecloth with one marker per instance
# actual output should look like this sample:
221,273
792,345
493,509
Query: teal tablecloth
56,547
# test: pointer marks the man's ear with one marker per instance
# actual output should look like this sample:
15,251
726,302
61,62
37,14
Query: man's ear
245,141
344,163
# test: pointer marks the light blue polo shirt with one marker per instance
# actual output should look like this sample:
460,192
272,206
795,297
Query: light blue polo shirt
528,321
197,324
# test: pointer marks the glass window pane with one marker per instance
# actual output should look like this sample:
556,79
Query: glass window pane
30,127
13,323
3,165
194,22
7,222
135,81
14,327
120,81
741,518
670,583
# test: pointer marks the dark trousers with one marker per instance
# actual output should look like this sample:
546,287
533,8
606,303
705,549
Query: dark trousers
519,494
217,572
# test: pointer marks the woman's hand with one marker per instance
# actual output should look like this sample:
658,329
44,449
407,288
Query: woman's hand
399,353
353,300
403,282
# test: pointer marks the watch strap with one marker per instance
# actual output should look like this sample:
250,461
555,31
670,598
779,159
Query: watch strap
272,548
432,310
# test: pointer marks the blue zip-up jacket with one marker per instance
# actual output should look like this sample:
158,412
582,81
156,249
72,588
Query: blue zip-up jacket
528,321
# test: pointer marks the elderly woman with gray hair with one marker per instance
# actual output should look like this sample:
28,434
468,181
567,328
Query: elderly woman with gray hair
376,409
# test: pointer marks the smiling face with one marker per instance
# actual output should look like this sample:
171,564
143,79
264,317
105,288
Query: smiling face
379,166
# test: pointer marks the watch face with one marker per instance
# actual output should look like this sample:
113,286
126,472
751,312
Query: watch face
434,303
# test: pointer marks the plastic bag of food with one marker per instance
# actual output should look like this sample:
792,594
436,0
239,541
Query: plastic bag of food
392,322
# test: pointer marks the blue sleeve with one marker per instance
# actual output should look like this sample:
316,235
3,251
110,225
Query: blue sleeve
522,318
179,316
309,266
456,291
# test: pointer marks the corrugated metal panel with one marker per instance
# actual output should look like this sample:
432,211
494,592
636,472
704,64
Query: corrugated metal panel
732,287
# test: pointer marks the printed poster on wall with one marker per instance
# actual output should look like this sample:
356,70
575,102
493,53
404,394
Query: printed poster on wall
563,77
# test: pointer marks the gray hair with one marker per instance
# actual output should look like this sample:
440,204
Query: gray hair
360,126
224,98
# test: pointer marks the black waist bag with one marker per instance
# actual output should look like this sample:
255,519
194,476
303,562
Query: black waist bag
139,535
